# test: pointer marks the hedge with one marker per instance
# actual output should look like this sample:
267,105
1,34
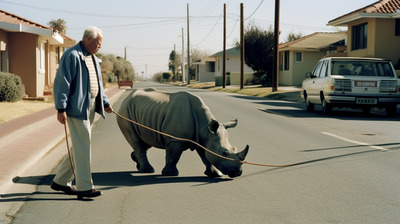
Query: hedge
11,87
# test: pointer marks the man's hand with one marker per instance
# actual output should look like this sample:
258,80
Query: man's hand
108,109
62,117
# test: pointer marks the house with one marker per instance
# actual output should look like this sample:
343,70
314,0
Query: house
232,65
31,51
298,57
373,31
205,69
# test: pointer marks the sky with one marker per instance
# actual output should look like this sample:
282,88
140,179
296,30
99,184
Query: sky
148,30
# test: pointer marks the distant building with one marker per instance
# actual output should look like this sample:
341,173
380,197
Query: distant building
232,65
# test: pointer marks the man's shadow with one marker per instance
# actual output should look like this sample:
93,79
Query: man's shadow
105,181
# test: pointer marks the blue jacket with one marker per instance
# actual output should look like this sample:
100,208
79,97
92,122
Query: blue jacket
72,86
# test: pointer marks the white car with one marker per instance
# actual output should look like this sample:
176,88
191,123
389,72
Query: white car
352,82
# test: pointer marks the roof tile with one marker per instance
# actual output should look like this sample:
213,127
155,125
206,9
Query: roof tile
382,6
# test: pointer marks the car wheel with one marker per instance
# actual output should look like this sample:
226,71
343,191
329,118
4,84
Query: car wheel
326,107
391,111
309,105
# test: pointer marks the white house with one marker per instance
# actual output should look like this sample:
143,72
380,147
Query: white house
232,65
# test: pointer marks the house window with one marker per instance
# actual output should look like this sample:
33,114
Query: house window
397,29
286,60
211,66
58,53
298,56
42,56
359,36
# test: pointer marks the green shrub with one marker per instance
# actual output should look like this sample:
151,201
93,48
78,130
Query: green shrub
11,87
218,80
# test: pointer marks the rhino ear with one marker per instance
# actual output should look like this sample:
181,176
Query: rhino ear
213,126
231,124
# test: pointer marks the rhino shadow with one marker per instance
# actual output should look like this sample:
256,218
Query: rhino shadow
103,181
125,179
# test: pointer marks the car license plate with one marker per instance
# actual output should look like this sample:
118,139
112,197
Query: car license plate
365,83
366,101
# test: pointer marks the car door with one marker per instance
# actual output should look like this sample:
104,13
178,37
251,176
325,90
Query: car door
313,85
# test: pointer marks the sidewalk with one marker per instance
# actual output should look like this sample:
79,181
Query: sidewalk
25,140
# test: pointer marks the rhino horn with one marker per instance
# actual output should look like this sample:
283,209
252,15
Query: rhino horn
231,124
242,154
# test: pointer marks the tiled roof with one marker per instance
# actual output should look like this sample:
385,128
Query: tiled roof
11,18
314,41
382,6
7,17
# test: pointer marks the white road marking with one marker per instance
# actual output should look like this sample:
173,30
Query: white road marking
356,142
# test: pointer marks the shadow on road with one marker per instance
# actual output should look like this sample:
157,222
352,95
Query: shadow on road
107,181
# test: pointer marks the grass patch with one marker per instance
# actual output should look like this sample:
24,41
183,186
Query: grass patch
11,110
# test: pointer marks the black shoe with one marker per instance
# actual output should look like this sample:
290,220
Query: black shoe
88,194
67,190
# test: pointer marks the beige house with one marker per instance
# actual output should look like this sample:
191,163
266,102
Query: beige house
232,65
31,51
205,69
298,57
373,31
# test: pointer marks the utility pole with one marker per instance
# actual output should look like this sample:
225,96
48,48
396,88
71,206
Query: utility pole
183,58
188,46
241,47
275,72
224,52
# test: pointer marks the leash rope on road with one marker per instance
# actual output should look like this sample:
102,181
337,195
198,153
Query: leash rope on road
208,150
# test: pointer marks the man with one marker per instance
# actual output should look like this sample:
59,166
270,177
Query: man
78,94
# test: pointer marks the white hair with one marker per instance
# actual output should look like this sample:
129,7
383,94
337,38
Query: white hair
92,32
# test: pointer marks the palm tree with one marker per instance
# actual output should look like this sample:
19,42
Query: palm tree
58,25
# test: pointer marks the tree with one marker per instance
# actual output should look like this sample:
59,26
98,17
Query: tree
292,36
58,25
122,68
173,63
259,52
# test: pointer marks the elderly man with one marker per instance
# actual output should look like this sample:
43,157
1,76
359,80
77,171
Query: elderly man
78,94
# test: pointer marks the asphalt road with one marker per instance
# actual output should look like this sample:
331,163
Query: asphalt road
346,171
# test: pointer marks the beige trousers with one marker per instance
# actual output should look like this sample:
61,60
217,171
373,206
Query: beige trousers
80,132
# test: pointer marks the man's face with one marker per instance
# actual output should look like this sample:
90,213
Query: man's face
93,45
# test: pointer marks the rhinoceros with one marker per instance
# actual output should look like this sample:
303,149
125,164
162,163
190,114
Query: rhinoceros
183,115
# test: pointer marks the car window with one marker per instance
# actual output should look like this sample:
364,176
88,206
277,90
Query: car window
324,67
362,68
317,69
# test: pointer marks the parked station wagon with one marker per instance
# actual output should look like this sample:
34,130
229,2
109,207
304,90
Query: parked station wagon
352,82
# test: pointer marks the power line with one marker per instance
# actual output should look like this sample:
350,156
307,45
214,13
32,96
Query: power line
100,15
255,9
210,30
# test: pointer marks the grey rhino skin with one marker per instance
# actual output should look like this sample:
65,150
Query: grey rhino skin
183,115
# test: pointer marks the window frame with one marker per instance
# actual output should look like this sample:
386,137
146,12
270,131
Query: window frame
296,54
286,57
359,36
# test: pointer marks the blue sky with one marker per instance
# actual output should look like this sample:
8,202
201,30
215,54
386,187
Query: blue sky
148,29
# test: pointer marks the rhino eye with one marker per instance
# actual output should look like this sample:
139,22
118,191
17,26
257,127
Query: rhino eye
225,152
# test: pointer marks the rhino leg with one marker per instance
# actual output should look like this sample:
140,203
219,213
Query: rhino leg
139,155
211,171
173,154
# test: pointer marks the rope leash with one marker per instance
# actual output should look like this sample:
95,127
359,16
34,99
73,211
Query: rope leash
208,150
69,152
